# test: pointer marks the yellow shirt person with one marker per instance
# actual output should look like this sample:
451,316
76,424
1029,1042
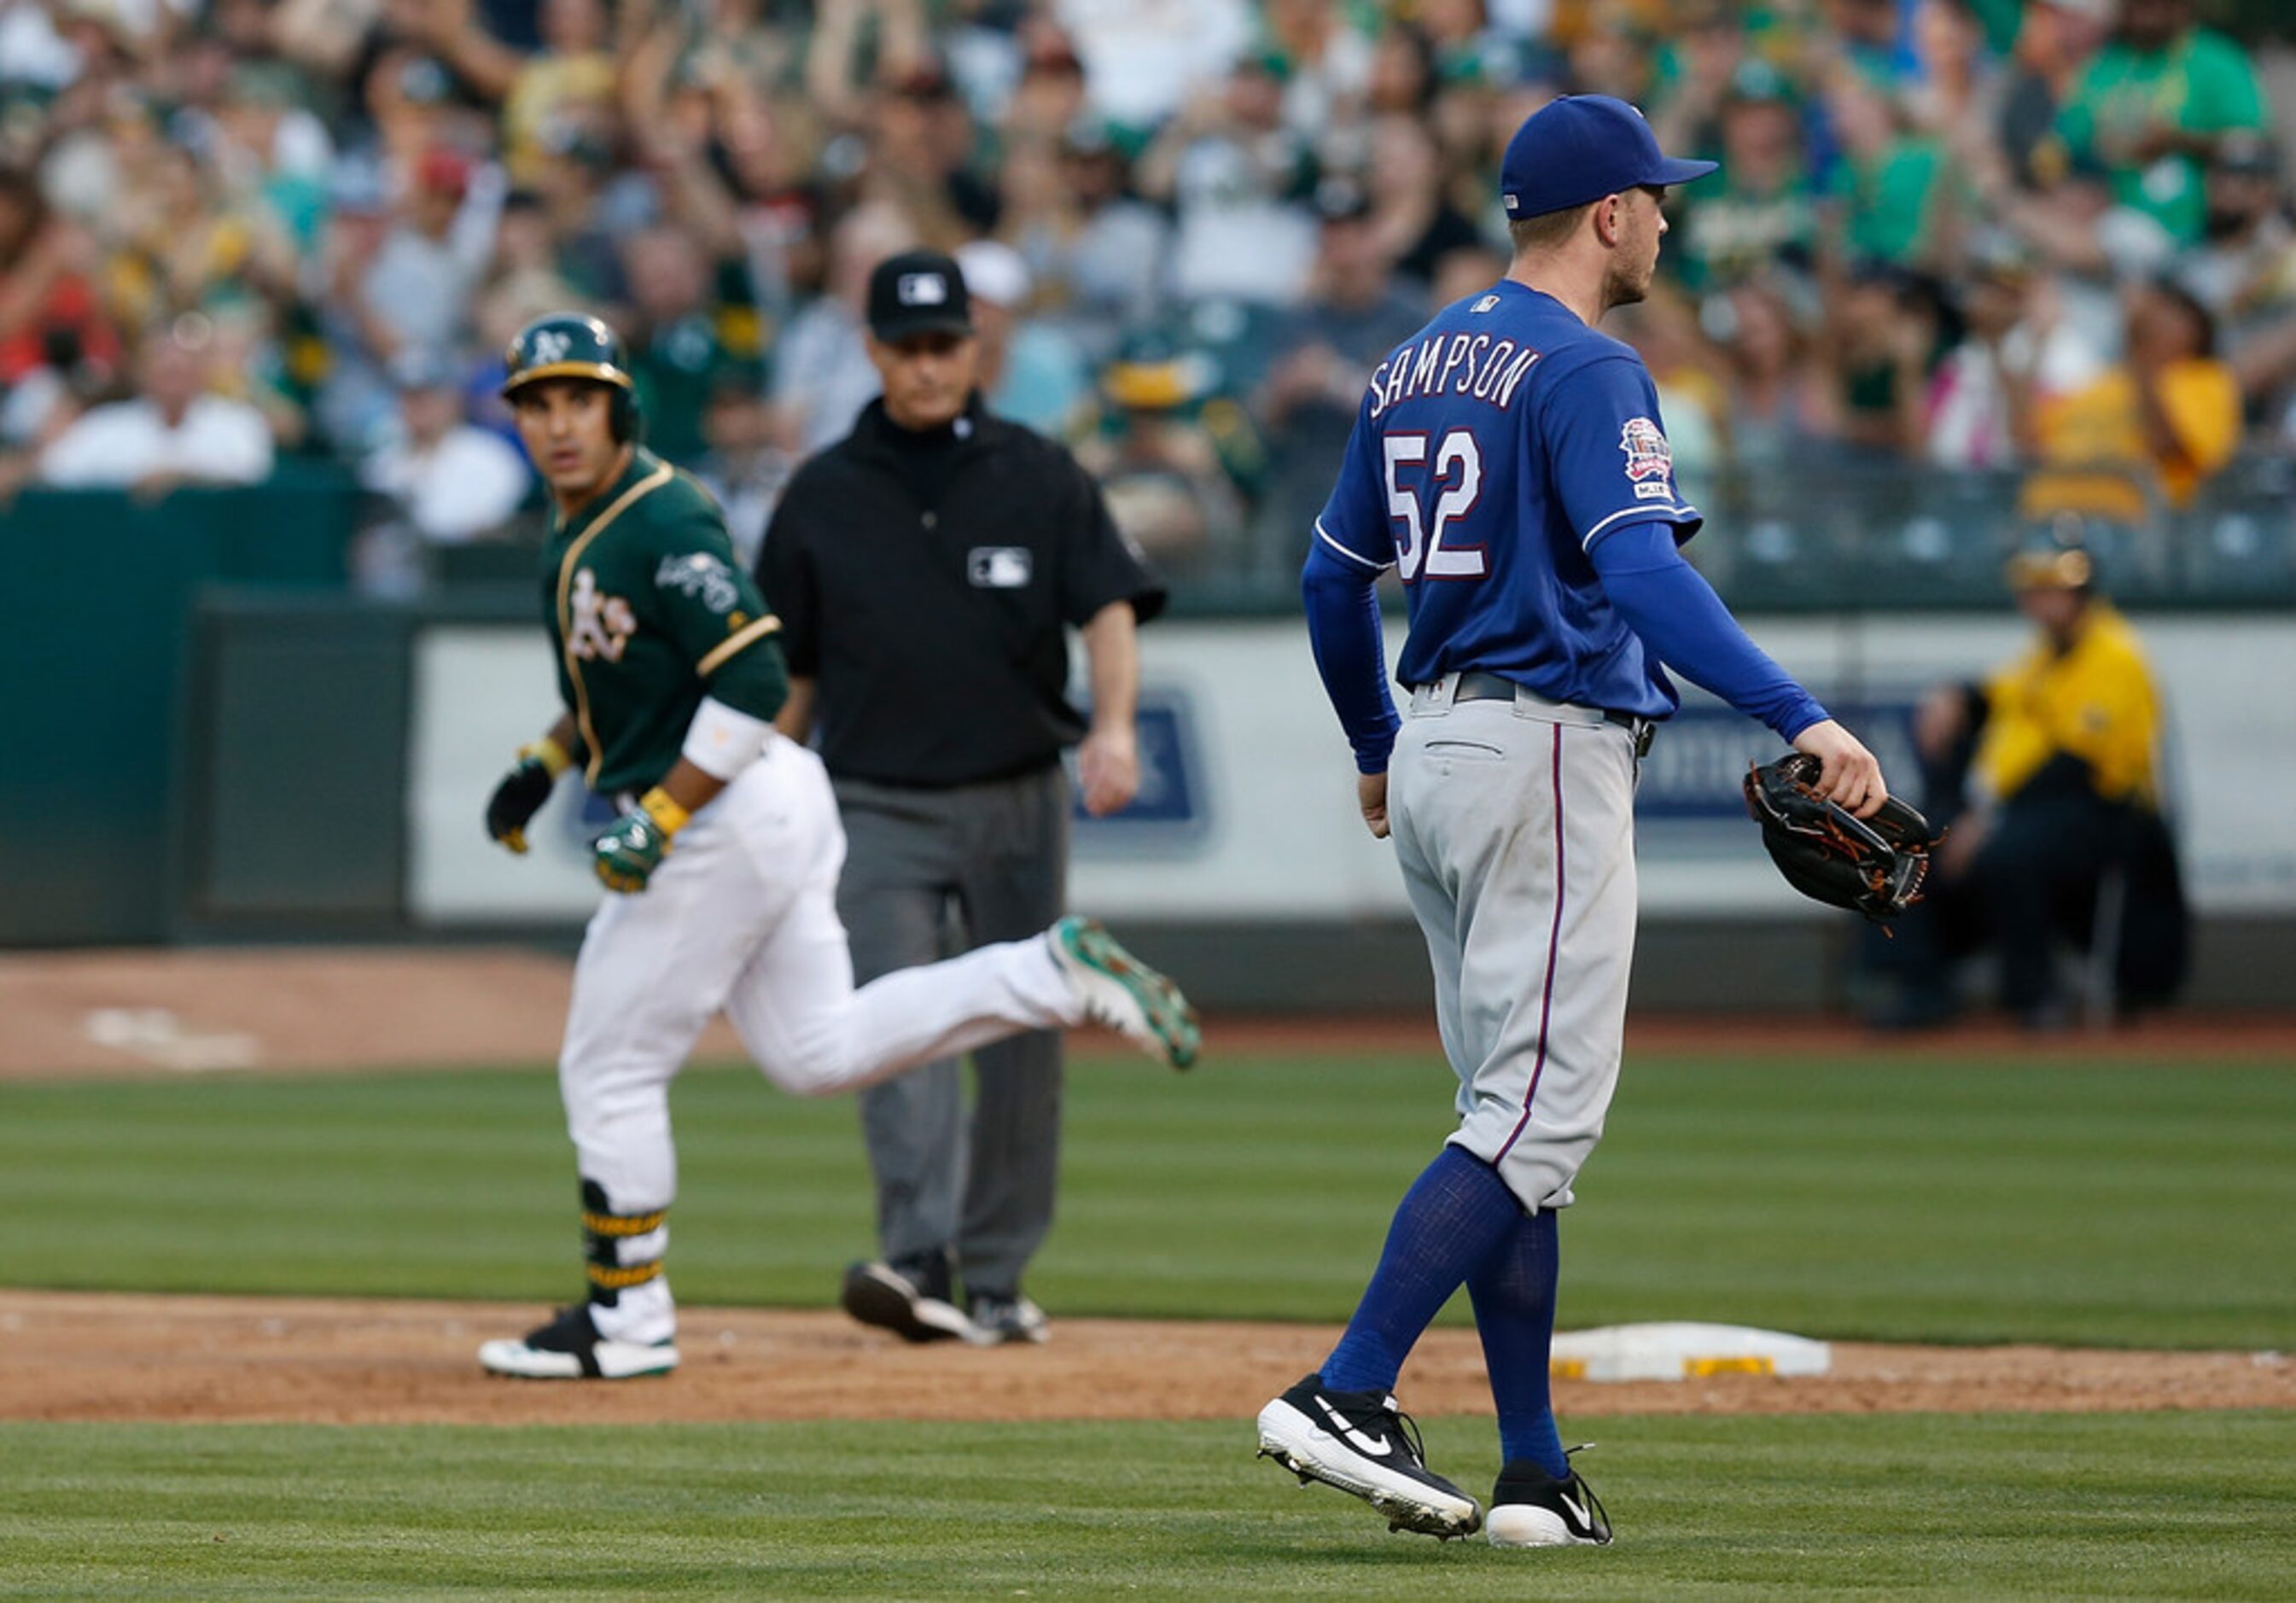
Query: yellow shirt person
2168,416
2102,425
2093,699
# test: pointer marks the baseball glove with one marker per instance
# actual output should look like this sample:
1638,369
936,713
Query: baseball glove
1827,852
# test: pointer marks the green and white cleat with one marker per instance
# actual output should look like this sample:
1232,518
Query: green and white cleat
1120,990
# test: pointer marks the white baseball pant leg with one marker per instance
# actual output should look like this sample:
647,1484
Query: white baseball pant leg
742,915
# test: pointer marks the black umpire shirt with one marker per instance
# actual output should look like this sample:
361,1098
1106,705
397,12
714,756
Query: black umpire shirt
922,582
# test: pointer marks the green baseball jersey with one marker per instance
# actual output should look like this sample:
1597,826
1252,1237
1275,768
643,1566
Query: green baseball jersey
649,612
2202,83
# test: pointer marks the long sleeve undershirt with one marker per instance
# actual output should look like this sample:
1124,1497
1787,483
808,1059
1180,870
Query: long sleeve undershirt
1661,597
1682,621
1342,598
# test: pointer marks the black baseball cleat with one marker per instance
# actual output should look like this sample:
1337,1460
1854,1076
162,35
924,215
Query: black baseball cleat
1530,1509
908,1296
570,1348
1362,1444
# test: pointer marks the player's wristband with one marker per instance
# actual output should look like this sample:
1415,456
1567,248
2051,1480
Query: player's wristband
666,813
554,759
722,740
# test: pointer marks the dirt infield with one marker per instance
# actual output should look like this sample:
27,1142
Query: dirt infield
88,1357
150,1012
136,1013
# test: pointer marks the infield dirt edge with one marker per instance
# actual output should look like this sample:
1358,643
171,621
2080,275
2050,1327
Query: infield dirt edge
100,1356
188,1011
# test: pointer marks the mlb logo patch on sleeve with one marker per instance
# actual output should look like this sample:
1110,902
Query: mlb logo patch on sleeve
1650,460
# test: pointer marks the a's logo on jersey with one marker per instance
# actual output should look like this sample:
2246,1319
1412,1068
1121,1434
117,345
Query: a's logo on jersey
1650,461
701,576
602,625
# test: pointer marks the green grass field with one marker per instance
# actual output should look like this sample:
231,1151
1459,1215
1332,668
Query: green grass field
2131,1204
2064,1505
2141,1204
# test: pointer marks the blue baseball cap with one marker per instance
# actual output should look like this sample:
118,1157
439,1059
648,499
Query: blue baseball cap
1578,148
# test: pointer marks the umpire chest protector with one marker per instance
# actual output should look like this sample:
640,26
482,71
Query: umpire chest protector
924,581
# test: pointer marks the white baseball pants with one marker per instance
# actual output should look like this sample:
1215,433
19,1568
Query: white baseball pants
743,916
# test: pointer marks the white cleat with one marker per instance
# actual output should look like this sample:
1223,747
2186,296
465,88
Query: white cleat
1120,990
570,1348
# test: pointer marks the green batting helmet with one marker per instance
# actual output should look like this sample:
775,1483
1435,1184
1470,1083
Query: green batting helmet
572,345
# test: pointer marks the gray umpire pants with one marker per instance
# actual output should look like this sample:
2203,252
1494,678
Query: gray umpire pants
991,859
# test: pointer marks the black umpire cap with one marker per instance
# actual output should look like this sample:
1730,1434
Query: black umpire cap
918,292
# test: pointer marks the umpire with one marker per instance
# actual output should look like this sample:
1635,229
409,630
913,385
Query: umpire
923,569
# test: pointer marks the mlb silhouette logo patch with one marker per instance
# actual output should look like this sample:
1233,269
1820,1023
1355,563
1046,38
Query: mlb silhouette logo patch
922,289
999,567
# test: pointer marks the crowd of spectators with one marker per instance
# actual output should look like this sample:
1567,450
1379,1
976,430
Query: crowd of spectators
2050,238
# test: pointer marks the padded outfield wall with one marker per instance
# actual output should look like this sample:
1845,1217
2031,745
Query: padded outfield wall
1244,850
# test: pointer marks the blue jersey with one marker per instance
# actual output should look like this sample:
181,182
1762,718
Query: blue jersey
1492,451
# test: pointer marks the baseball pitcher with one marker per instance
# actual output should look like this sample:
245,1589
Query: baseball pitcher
1510,463
723,863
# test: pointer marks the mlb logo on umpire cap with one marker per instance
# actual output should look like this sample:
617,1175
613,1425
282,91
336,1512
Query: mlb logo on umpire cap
918,292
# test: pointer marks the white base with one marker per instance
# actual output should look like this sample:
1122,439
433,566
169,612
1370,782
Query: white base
1684,1352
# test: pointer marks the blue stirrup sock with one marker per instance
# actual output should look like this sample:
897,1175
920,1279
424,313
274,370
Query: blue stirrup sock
1457,1215
1513,1293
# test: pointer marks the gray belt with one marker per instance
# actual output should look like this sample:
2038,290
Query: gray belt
1477,686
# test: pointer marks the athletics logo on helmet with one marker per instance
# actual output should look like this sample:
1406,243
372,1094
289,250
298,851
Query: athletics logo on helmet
571,345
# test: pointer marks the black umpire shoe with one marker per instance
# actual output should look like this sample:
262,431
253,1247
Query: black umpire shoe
908,1296
1530,1509
1001,1317
1362,1444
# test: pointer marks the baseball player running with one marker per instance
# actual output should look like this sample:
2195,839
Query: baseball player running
723,860
1510,463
